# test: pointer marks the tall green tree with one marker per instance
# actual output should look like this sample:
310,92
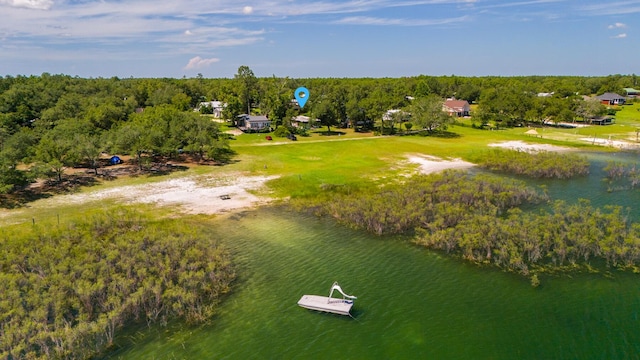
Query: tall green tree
53,154
15,150
246,81
138,136
339,100
426,113
203,138
325,112
88,148
276,99
589,109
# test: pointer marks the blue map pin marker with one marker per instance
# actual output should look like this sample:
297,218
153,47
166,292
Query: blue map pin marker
302,95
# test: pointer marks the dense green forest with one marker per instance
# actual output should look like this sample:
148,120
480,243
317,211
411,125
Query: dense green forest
49,123
68,290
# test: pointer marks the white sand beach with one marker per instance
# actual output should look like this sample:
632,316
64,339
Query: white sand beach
430,164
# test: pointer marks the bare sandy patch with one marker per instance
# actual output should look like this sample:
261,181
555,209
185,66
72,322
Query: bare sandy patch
612,143
523,146
194,195
234,132
430,164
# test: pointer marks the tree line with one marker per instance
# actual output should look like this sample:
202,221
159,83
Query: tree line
361,103
67,291
51,122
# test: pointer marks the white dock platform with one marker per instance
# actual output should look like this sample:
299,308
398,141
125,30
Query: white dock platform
326,304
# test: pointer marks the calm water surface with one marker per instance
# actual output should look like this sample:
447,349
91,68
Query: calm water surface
412,303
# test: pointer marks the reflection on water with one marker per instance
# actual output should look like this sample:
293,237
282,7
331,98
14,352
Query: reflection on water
412,303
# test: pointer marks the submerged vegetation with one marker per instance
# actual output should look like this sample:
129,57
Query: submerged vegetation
541,164
440,200
67,290
478,218
620,176
522,241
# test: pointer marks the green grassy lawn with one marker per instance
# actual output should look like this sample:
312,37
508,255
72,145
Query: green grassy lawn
627,121
350,159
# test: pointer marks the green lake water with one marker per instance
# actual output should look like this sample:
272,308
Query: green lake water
412,303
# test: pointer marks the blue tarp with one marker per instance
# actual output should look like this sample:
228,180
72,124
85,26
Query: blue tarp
115,160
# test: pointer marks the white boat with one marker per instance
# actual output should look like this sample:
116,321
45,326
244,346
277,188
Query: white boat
329,304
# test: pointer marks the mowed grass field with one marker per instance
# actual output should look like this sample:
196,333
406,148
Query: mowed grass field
351,159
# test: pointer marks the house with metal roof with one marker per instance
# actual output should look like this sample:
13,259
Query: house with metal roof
253,123
611,99
631,92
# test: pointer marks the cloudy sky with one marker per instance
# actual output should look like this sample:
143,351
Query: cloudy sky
324,38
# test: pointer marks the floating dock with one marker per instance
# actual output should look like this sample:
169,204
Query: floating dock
326,304
329,304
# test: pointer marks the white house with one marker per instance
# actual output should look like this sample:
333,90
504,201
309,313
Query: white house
217,107
394,114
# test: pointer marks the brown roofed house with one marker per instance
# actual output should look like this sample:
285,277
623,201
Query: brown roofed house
455,107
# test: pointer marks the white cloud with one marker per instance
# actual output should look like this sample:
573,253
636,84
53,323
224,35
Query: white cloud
617,26
199,63
188,33
247,10
620,36
29,4
522,3
612,8
366,20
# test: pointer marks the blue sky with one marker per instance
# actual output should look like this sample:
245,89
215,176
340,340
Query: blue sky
329,38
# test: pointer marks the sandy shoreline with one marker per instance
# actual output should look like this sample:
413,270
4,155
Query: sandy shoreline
523,146
431,164
192,195
207,194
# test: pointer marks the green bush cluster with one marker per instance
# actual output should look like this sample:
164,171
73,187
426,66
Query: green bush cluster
444,199
479,218
66,291
539,164
522,241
